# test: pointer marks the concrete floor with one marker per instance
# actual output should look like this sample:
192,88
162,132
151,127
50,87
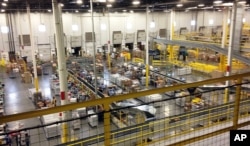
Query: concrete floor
17,100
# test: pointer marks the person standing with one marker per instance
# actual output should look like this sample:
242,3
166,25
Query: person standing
53,101
27,139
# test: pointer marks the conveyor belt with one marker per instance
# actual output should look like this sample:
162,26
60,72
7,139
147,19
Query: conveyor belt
87,84
214,47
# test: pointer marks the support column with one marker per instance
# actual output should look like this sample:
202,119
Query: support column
62,71
109,43
237,104
93,40
33,50
171,51
235,33
147,55
107,129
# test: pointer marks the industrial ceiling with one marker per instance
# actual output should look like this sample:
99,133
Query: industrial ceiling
9,6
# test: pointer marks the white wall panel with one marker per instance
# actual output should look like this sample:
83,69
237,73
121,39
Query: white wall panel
118,22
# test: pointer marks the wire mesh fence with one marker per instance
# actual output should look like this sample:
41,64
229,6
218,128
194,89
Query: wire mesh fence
156,119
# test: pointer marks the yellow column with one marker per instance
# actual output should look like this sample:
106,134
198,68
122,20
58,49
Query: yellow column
147,75
237,104
107,136
171,53
65,130
36,83
197,54
222,65
109,61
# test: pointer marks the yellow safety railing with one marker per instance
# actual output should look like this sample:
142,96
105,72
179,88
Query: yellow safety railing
159,63
138,60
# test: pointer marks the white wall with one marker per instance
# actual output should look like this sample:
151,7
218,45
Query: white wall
118,22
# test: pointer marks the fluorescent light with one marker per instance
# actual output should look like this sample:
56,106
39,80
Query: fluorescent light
103,27
219,10
136,2
4,29
5,0
190,8
42,28
79,1
179,5
2,10
201,5
152,24
109,5
75,27
111,1
211,21
124,10
49,10
131,11
102,1
76,11
89,11
4,4
62,5
192,22
227,4
242,2
217,2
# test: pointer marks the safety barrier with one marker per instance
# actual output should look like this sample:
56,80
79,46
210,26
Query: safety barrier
138,60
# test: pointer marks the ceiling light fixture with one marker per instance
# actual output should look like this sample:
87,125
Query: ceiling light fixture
79,1
217,2
2,10
109,5
49,10
4,4
102,1
201,5
179,5
136,2
227,4
131,11
111,1
124,10
242,2
5,0
76,11
62,5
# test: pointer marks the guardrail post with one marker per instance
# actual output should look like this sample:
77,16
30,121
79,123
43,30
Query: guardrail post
237,103
106,125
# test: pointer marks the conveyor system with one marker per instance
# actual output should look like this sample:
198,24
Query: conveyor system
213,47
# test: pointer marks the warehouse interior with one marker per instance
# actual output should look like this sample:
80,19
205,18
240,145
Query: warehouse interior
123,72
